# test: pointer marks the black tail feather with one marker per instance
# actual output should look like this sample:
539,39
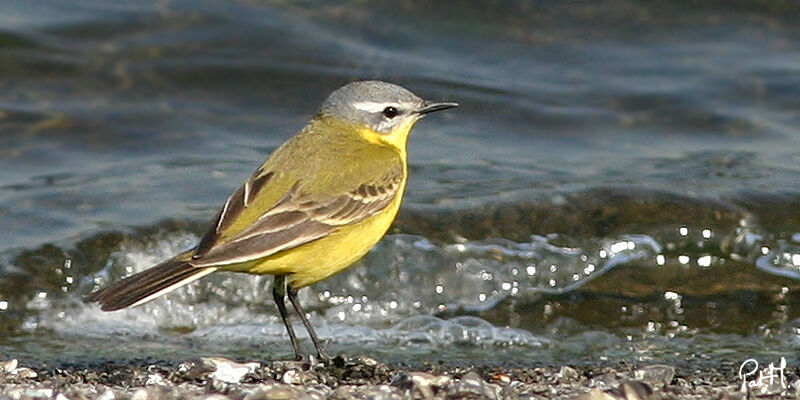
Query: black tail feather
139,286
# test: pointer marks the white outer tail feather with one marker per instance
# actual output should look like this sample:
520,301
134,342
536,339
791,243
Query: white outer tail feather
176,285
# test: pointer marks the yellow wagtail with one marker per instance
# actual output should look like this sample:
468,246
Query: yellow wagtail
316,206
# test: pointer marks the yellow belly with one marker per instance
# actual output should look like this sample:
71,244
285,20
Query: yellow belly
317,260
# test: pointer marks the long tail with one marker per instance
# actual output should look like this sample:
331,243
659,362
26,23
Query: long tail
149,284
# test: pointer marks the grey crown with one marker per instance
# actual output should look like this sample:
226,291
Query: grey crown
364,103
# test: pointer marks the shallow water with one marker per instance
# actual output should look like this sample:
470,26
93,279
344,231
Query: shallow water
620,181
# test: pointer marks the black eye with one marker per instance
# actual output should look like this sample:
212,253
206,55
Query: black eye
390,112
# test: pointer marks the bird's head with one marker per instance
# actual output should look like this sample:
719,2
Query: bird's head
383,112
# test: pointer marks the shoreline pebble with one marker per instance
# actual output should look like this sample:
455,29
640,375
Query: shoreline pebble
362,377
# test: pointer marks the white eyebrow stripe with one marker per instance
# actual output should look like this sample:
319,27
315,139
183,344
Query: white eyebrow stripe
371,106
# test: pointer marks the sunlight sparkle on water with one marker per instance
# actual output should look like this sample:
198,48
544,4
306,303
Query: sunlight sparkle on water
589,269
672,295
622,246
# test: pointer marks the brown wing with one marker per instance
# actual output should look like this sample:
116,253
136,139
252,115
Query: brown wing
295,219
236,203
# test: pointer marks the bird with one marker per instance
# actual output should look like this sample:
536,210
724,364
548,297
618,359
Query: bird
317,205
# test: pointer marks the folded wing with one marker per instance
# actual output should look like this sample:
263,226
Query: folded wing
295,219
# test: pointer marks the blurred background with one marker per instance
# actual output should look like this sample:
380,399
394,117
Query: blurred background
620,182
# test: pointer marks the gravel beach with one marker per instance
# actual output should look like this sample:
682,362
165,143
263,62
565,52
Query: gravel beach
365,378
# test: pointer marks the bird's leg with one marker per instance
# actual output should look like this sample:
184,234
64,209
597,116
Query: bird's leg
278,293
292,293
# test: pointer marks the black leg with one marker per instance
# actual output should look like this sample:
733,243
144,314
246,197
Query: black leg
323,356
278,293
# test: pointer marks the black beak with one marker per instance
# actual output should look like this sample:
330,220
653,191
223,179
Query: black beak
433,107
